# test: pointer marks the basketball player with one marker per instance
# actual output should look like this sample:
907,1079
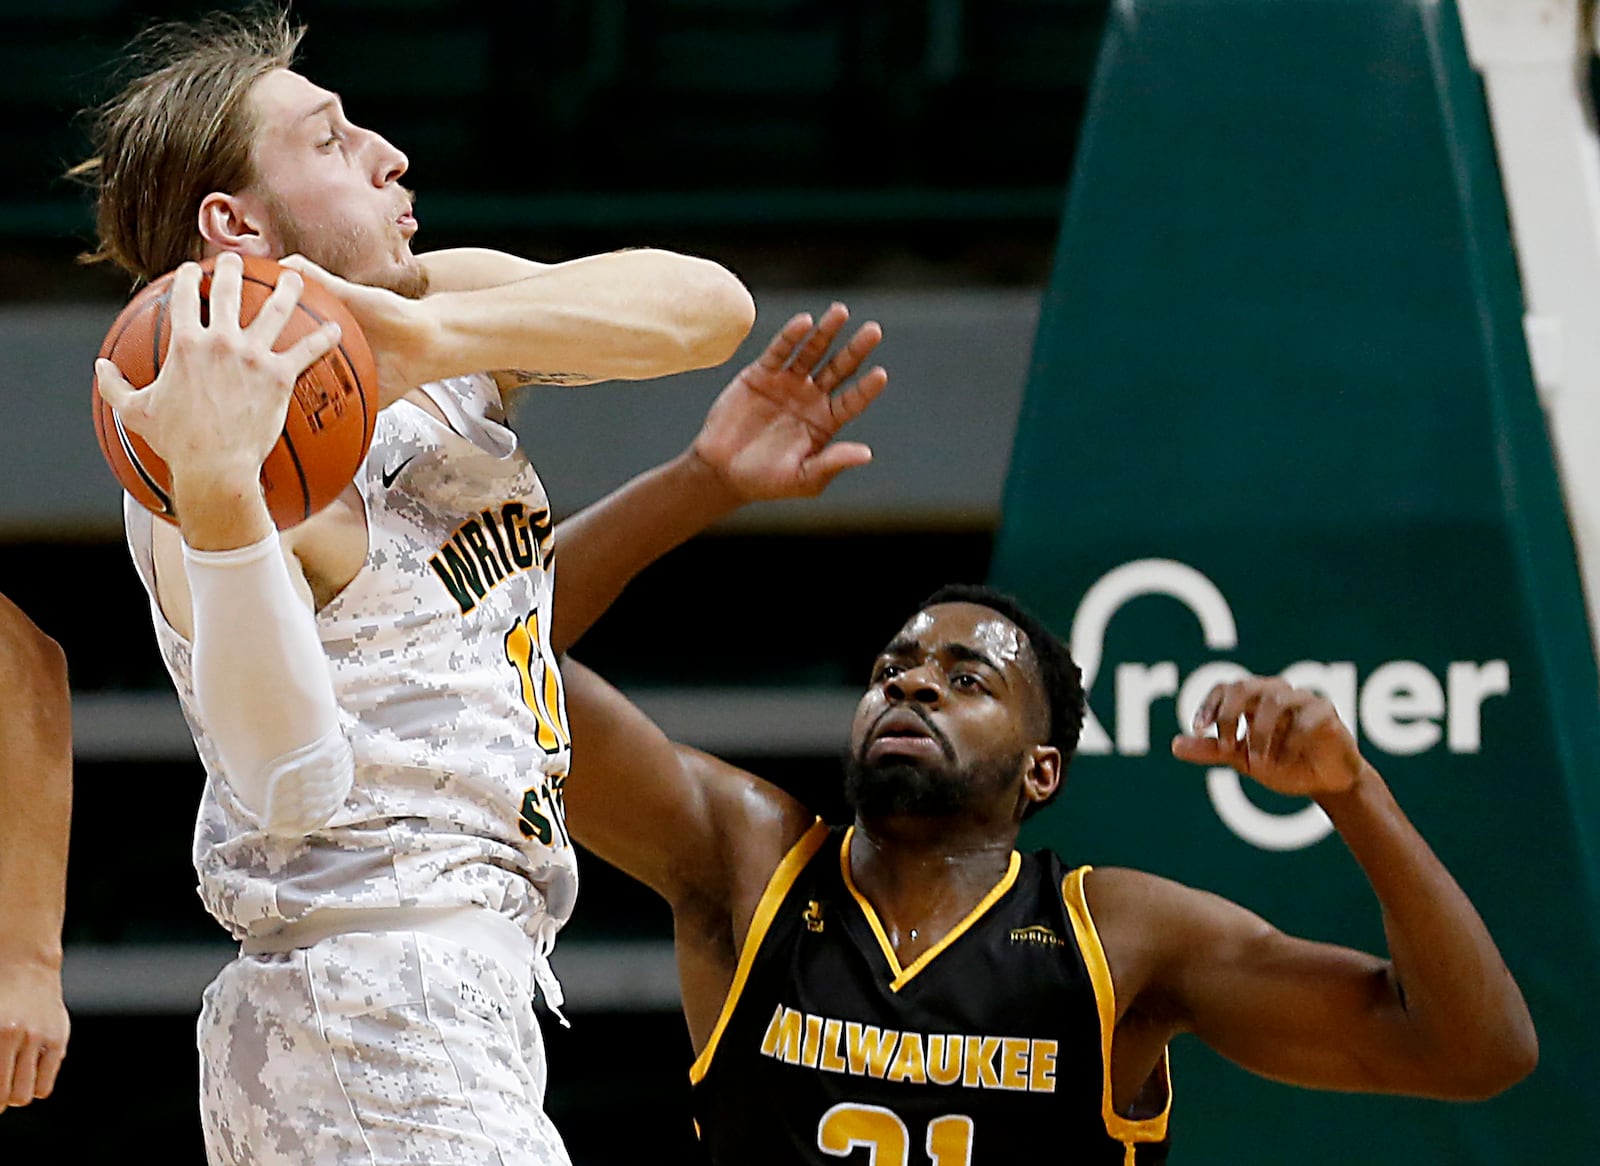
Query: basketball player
374,693
911,989
35,807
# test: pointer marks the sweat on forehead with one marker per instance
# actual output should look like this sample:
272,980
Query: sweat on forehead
976,626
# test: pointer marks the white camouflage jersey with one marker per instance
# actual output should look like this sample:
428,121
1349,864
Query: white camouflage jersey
447,691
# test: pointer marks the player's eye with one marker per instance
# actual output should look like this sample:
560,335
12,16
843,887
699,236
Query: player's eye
886,672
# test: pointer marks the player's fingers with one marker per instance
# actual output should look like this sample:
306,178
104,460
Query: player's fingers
821,339
782,346
845,362
183,306
1206,715
1201,751
49,1068
311,347
1298,710
113,387
825,466
853,401
227,284
303,266
25,1074
274,313
1263,723
1239,701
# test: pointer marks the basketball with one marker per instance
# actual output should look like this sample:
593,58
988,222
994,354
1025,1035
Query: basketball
331,415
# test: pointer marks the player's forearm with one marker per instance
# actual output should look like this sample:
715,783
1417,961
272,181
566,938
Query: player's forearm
263,688
220,509
606,544
1459,998
35,793
627,315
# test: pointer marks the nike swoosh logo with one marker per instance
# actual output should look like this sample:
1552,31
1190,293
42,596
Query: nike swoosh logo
390,475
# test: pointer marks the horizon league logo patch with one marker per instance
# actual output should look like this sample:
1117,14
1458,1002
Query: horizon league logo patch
1397,707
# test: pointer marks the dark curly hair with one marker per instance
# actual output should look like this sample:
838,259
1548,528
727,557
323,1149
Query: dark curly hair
1063,680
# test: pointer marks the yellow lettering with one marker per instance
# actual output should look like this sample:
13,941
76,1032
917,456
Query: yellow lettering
868,1048
832,1034
1042,1067
769,1043
944,1059
979,1069
789,1037
1014,1063
808,1055
909,1063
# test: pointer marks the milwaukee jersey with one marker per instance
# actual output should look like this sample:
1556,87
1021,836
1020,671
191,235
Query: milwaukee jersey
447,691
989,1050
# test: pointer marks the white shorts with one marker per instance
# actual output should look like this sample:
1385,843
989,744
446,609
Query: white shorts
387,1048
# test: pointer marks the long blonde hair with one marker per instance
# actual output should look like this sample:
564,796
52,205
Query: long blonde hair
179,130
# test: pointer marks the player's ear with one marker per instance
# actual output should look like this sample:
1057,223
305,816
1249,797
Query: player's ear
1043,775
235,222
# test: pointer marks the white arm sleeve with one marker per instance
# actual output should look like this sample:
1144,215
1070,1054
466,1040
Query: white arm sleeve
263,688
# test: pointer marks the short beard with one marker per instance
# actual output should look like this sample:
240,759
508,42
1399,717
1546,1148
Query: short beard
902,789
338,251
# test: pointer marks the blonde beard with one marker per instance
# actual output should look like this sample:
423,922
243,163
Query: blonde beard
340,252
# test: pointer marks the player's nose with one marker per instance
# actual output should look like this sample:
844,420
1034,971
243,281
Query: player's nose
918,685
389,163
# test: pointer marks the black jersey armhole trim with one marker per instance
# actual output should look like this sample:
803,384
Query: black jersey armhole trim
1128,1131
766,908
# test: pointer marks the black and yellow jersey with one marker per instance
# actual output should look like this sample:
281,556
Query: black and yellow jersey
991,1048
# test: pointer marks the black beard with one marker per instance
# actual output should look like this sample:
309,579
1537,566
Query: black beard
899,788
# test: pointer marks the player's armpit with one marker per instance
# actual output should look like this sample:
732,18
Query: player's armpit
686,824
1311,1014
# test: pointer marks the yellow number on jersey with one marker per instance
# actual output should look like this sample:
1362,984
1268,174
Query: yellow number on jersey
849,1126
540,681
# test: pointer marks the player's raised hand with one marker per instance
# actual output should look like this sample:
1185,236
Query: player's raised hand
770,433
33,1032
217,406
1289,739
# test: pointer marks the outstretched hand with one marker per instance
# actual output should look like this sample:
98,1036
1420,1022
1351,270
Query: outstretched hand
1291,740
770,433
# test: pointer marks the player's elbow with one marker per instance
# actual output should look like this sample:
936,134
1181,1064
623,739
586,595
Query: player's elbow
1490,1069
301,792
1512,1060
718,314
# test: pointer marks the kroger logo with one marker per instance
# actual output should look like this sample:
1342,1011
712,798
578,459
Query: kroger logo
1401,707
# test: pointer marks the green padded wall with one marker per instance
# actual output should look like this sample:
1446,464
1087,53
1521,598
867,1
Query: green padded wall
1280,414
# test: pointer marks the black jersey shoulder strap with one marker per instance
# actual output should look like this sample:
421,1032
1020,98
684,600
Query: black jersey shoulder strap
771,899
1129,1131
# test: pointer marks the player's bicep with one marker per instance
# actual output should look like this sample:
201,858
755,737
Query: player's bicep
1311,1014
642,803
1308,1013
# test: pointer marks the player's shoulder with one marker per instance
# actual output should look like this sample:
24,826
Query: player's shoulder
1120,895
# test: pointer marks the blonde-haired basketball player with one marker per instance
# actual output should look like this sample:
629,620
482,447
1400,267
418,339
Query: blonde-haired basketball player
375,693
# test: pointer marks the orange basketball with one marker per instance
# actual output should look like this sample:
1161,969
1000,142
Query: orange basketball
331,416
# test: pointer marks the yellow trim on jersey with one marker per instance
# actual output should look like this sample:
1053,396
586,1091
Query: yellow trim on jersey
1125,1130
903,976
766,908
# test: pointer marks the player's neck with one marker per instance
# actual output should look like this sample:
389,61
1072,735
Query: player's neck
920,879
